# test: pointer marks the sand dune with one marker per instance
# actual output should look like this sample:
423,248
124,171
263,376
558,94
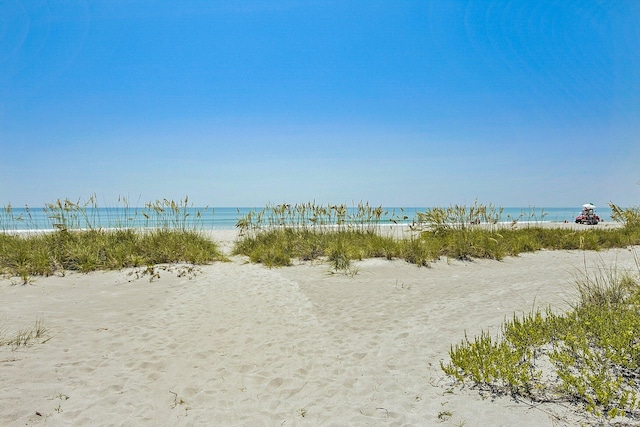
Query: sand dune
239,344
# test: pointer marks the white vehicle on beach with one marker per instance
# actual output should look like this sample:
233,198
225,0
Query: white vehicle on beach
588,215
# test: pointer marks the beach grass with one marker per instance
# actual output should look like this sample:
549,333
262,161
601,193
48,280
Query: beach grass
77,244
90,250
277,247
67,214
277,235
589,356
25,336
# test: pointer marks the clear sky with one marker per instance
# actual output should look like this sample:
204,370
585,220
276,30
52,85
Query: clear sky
246,102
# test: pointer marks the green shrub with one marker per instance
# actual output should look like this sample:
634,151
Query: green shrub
276,247
77,244
593,350
280,233
90,250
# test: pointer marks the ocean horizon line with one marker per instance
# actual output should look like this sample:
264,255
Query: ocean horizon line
226,217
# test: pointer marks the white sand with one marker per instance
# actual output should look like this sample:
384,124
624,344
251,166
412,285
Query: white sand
240,344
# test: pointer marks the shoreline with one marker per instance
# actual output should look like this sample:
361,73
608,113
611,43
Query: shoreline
501,224
215,218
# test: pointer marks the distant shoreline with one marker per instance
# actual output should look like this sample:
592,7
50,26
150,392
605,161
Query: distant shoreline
405,227
24,220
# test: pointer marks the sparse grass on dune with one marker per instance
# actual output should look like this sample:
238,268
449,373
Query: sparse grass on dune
25,336
507,241
169,236
459,232
277,234
277,247
90,250
589,356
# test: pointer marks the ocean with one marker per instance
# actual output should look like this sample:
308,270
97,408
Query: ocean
225,218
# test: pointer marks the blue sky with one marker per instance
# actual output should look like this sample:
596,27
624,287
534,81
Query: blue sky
243,103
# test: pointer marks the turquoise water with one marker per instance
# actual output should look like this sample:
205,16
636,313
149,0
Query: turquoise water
224,218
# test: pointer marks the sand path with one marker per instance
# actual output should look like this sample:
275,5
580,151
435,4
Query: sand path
239,344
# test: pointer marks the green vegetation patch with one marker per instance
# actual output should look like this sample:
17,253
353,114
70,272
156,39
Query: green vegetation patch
276,235
168,235
96,249
589,356
277,247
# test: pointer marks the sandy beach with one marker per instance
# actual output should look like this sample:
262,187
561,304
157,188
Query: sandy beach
239,344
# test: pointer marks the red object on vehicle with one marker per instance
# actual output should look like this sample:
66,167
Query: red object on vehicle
588,215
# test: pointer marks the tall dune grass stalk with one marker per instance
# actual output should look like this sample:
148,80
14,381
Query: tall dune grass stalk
628,217
458,217
86,214
9,219
306,216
